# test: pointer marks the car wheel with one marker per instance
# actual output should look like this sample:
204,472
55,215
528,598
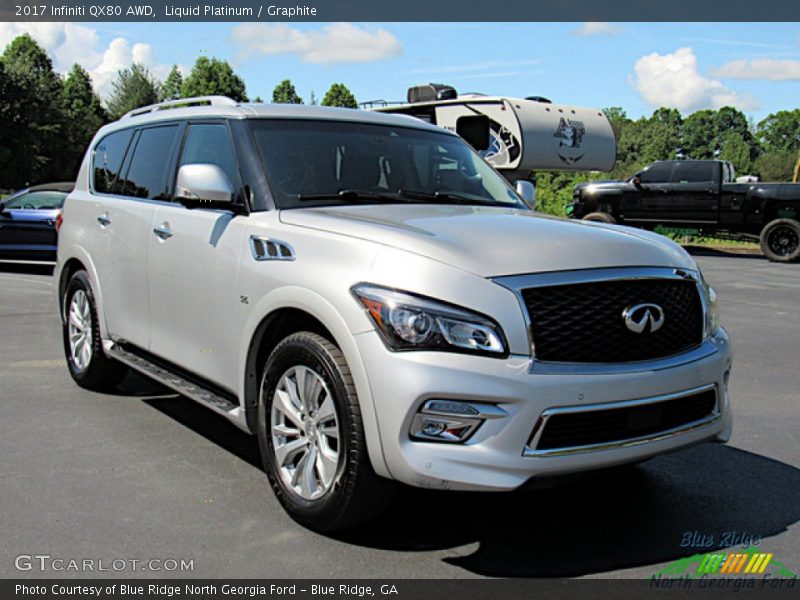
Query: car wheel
600,217
780,240
83,348
312,439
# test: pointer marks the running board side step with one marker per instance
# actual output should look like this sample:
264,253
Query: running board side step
212,400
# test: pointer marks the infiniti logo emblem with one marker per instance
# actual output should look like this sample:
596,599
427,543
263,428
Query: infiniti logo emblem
638,316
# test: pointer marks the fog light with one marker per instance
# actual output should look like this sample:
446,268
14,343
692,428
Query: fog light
433,428
451,421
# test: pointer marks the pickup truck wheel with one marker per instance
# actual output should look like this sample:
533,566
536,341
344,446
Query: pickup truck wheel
780,240
600,217
88,364
312,439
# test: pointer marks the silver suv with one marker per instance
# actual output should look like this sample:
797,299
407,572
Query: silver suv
371,299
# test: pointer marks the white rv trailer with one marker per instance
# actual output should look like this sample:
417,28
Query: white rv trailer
525,134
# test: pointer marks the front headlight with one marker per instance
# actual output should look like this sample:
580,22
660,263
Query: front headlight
409,322
712,314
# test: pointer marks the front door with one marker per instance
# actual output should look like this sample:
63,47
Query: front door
194,264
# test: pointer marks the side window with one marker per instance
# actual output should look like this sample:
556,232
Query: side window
694,172
147,174
657,173
107,160
210,143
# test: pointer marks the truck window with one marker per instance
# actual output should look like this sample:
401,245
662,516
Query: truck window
656,173
694,172
107,160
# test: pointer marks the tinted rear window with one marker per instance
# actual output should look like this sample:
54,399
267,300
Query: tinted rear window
147,175
108,155
693,172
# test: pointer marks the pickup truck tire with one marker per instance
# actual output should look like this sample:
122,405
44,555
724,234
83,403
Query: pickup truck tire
780,240
83,348
600,217
311,437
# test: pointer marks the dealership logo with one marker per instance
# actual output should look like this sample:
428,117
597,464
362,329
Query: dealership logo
744,562
639,316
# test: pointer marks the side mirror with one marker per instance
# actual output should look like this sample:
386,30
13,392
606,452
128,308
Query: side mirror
636,181
3,210
203,183
527,191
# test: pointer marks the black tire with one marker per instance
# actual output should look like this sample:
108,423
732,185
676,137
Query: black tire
600,217
356,493
780,240
100,373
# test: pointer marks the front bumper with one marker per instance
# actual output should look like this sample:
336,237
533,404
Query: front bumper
497,456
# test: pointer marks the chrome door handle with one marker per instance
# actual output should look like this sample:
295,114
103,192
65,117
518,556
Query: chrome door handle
104,220
163,231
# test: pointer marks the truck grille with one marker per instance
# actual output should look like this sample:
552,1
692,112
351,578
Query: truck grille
591,427
583,322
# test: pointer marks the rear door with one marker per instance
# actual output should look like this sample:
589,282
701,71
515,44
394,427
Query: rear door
194,266
124,220
694,192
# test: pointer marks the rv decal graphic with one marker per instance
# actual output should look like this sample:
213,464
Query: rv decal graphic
570,134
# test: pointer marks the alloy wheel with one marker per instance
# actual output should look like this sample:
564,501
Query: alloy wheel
305,433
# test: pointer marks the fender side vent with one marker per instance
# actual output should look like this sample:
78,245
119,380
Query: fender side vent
269,249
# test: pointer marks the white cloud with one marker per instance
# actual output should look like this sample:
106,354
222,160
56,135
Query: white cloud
674,80
592,28
70,43
335,43
760,68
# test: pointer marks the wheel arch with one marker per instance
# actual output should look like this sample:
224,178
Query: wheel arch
75,260
288,311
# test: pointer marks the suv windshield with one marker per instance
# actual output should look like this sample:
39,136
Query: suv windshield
320,163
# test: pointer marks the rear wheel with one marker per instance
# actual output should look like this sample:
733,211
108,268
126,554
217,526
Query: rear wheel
780,240
600,217
312,438
83,348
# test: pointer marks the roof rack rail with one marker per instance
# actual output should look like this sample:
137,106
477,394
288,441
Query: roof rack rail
180,103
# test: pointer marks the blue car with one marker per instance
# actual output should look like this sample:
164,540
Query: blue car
28,219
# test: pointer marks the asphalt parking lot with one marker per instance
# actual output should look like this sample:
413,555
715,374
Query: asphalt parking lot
145,474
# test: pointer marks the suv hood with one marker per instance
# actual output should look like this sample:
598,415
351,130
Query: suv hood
491,241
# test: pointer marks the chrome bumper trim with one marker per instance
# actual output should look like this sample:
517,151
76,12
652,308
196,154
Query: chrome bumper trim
530,449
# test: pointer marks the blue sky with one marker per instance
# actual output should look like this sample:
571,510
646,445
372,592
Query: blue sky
754,66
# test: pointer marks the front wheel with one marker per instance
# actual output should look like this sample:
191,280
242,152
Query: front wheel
312,438
88,364
780,240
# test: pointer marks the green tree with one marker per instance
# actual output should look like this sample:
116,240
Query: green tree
171,89
30,109
776,166
284,93
737,150
780,131
213,77
84,116
132,88
339,95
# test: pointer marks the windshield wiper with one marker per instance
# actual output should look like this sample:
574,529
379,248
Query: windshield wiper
355,195
442,197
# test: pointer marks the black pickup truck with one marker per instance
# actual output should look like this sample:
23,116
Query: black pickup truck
699,197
